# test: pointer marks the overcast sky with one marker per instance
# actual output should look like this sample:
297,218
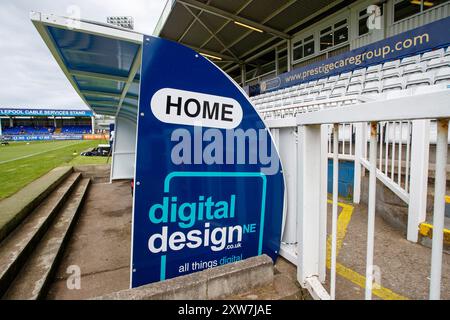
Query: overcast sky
29,74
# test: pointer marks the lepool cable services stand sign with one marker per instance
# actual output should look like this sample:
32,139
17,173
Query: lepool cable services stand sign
209,187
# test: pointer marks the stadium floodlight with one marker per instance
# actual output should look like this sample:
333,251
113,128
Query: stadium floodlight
248,27
121,21
210,56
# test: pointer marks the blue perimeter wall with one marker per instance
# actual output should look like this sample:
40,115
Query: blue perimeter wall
43,137
345,179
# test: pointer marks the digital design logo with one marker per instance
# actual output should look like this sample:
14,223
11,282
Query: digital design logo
197,222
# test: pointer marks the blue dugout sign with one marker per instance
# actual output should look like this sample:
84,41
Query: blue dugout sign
209,187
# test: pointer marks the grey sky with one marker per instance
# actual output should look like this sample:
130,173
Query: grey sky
30,75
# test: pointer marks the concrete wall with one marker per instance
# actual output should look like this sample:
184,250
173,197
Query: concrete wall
215,283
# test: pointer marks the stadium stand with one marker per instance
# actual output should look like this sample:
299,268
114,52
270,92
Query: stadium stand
431,69
76,129
28,130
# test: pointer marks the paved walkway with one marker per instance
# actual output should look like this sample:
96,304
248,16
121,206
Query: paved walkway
100,244
404,267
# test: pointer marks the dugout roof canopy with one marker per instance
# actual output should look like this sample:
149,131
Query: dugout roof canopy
102,62
239,31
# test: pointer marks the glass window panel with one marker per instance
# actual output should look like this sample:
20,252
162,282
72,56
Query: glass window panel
96,84
298,53
362,27
430,4
326,41
325,30
340,23
309,48
87,52
340,36
406,8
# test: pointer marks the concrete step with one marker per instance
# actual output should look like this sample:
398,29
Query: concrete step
17,207
283,287
32,280
426,234
15,248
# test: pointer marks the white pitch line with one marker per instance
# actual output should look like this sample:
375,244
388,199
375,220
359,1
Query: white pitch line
35,154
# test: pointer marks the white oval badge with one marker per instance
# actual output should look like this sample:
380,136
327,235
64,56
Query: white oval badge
193,108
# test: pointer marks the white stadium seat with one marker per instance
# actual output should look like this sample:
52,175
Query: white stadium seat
432,55
414,68
359,72
442,75
410,60
333,79
293,94
277,104
345,75
391,65
393,84
325,92
302,92
354,88
338,92
373,69
371,87
301,86
311,84
287,102
311,96
322,81
291,89
438,63
447,52
372,77
412,75
356,79
298,100
341,83
417,79
392,73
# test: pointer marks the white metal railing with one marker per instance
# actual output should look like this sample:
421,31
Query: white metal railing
394,154
394,167
398,132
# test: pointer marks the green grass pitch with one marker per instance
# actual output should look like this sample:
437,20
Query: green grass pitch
24,162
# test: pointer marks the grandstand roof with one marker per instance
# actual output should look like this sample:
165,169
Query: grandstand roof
240,30
101,61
